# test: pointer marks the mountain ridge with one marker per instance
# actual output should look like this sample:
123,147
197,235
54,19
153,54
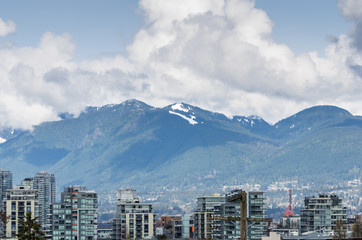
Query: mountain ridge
133,144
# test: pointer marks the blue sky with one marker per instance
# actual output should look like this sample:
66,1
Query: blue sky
96,28
305,25
99,28
238,57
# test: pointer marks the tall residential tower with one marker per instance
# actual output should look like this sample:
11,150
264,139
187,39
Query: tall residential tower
75,217
45,183
6,182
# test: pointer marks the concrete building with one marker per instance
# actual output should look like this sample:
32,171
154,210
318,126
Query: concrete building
133,220
231,229
187,226
177,226
45,183
321,213
75,217
104,231
289,225
308,236
272,236
6,182
171,225
17,203
28,181
256,209
205,226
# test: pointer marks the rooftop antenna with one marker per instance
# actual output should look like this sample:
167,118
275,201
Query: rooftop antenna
289,211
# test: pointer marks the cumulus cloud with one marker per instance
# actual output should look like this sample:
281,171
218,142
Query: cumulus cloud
223,57
7,27
351,9
218,55
39,82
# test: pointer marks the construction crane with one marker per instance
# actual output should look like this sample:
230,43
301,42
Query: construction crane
289,211
242,196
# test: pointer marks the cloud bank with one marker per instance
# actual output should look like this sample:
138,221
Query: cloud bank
218,55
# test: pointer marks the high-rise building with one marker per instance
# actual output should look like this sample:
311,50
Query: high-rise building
45,183
205,226
6,182
256,209
322,212
75,217
17,203
211,211
133,220
231,229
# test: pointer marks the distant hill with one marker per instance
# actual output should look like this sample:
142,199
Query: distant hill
182,146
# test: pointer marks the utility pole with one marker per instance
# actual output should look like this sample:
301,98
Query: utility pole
242,196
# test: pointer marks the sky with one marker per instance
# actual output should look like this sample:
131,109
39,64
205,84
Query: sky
237,57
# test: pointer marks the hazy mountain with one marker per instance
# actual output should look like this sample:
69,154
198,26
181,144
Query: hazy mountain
136,145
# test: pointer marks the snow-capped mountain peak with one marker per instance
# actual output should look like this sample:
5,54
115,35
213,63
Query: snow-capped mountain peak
183,111
180,107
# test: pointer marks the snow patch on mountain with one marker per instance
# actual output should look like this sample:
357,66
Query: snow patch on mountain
2,140
255,117
249,121
110,105
180,107
190,119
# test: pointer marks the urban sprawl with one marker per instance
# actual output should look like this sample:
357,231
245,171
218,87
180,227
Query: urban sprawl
238,214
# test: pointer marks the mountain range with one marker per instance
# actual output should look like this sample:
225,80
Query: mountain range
185,147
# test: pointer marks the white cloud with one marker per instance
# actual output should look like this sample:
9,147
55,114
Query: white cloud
7,27
218,55
222,56
351,9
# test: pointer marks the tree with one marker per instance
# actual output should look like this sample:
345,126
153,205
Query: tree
30,229
357,228
340,231
3,218
3,221
161,237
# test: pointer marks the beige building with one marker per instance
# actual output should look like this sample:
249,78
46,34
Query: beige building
17,203
134,220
